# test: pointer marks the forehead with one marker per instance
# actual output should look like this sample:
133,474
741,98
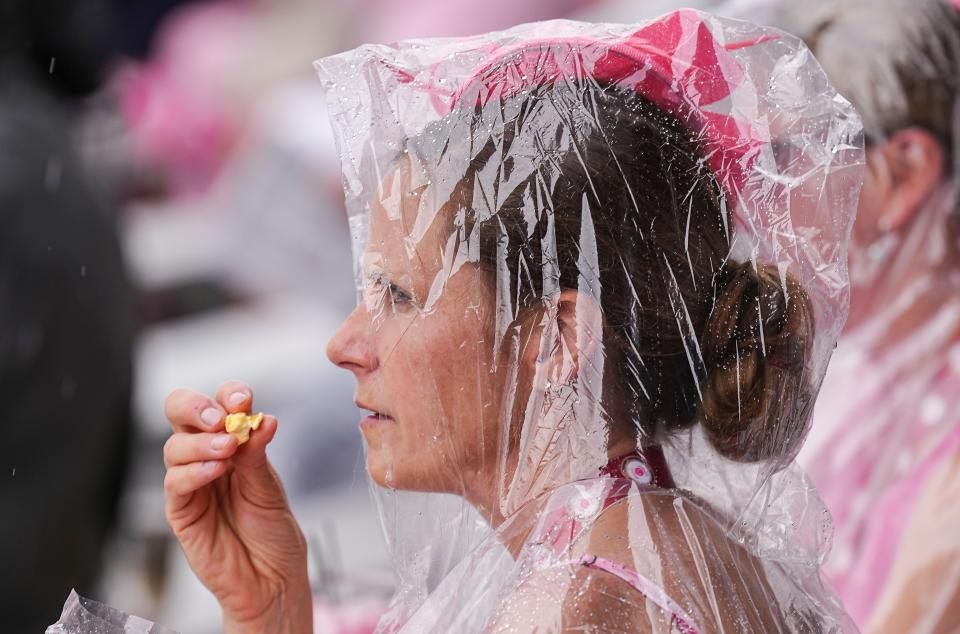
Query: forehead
407,226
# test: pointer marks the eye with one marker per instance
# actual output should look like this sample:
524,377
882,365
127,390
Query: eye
398,295
381,289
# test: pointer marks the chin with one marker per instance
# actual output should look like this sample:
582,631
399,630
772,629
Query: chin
387,474
379,478
378,471
402,477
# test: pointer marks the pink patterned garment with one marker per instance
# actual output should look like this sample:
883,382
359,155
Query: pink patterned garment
880,433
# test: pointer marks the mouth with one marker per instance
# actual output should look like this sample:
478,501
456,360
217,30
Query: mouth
373,416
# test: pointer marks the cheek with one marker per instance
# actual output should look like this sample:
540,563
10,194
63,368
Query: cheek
425,362
870,207
439,371
865,223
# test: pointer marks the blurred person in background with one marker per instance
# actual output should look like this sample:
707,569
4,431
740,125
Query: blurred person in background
885,443
66,323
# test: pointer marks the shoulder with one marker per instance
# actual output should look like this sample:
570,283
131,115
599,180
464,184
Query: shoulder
661,538
660,549
677,547
572,598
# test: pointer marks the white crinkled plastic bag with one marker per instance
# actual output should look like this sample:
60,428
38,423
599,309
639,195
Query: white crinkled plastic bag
86,616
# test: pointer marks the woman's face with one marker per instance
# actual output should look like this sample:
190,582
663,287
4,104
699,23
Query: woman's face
903,173
419,347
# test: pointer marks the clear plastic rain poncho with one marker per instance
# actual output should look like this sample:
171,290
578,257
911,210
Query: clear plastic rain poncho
885,445
602,269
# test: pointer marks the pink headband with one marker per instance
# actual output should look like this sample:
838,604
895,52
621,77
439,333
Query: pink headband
675,62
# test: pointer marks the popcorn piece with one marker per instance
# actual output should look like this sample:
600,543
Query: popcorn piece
240,425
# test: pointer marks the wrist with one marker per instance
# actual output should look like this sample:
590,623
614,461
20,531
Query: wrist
290,612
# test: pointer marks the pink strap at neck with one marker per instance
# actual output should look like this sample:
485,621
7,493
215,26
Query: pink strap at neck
650,458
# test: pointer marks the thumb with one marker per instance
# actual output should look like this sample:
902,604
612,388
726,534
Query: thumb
252,471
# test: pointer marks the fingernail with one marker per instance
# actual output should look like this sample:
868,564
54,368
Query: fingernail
211,416
219,441
237,398
210,465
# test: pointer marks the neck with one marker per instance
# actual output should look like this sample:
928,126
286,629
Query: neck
913,287
918,310
486,495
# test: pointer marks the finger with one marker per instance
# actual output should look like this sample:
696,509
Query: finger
190,411
182,481
235,396
186,448
253,453
253,473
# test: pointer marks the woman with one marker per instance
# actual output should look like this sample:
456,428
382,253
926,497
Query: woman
891,480
591,315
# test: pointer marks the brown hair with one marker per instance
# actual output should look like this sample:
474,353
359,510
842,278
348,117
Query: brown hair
898,61
689,334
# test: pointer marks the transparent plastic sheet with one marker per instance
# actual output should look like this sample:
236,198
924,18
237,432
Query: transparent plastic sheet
85,616
601,269
885,445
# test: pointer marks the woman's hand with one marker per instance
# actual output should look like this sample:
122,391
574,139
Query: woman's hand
227,508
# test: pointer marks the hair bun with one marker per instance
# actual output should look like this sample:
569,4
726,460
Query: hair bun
756,347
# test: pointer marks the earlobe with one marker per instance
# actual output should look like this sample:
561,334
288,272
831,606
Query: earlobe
916,162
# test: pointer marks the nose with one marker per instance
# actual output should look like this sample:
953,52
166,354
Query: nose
350,347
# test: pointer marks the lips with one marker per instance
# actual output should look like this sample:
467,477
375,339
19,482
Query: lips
373,416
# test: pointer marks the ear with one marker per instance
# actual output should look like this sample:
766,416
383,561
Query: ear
580,327
915,161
